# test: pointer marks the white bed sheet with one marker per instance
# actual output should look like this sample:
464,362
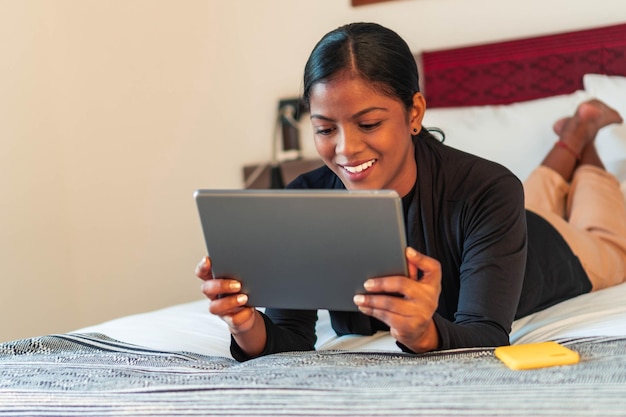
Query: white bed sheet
189,327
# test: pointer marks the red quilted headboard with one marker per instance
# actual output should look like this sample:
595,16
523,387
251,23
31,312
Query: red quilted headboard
519,70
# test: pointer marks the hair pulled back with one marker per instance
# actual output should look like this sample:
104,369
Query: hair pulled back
367,50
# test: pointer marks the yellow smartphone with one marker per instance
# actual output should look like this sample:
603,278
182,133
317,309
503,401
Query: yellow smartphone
536,355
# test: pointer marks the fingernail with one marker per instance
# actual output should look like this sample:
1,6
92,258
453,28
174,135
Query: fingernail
368,285
203,266
358,299
242,298
235,285
411,252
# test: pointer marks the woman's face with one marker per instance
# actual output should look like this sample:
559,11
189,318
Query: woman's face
364,136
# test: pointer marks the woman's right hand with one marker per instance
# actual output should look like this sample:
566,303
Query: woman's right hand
227,302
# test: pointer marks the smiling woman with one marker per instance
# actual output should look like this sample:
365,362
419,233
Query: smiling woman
364,137
476,258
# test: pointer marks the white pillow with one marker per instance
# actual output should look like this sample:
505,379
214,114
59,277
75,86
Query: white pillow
611,140
517,136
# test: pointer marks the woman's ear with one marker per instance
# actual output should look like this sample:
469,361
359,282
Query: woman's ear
417,112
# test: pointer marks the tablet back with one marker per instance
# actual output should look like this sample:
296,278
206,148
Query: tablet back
303,249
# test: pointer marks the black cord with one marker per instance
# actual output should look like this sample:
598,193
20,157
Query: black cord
438,133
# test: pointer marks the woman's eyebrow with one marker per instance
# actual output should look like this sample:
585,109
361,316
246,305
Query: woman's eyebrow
354,116
321,117
367,110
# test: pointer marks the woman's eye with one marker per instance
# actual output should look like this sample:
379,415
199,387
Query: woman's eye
324,131
369,126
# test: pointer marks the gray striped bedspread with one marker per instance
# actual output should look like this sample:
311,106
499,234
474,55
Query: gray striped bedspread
92,375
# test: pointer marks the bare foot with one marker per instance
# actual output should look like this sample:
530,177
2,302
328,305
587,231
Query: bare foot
597,115
594,112
558,125
580,130
576,144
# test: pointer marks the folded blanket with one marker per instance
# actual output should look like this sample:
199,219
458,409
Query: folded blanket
91,374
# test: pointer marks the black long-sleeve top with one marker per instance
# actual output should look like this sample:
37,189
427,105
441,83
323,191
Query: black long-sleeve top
499,262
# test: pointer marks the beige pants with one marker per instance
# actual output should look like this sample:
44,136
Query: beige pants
590,214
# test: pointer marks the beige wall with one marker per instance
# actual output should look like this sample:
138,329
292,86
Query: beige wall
113,111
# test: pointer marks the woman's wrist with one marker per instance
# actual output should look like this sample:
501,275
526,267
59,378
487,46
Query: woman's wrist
252,341
427,342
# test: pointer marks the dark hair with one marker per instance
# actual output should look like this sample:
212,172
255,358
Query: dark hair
368,50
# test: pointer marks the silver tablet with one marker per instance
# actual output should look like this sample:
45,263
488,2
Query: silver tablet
303,249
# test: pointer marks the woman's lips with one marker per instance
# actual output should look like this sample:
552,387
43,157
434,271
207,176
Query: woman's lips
359,170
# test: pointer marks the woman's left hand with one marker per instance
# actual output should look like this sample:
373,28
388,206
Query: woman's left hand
410,314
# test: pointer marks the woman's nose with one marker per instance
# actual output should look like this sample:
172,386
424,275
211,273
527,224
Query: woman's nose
348,143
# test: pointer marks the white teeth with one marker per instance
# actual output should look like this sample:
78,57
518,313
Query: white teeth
359,168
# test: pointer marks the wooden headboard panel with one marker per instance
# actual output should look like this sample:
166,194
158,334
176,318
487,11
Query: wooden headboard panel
519,70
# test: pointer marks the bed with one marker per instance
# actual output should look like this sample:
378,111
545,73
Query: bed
496,100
